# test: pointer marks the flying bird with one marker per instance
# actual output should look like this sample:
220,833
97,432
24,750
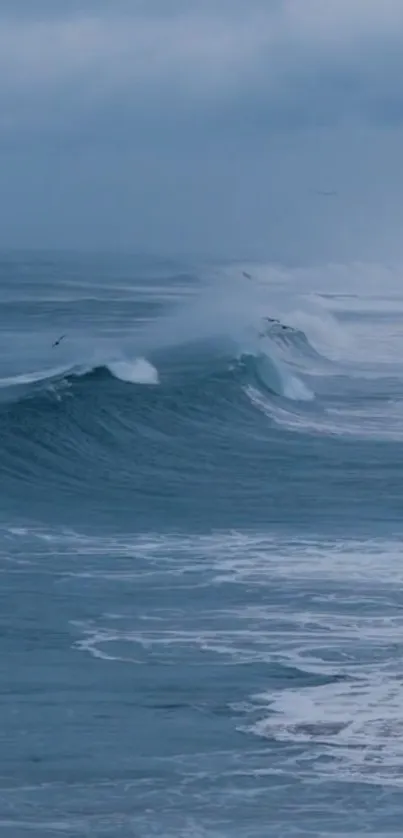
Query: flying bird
56,343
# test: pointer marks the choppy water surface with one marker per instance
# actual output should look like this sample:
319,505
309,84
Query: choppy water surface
200,547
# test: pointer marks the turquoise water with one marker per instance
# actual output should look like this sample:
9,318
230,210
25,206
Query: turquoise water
200,545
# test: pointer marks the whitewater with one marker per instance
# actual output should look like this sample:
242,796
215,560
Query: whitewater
200,548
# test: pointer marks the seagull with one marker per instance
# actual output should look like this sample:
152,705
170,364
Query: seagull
56,343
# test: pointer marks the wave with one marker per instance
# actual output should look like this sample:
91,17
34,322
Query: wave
16,387
272,376
272,369
139,371
148,426
108,413
189,405
270,357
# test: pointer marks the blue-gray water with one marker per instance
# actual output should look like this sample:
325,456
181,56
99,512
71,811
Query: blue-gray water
200,524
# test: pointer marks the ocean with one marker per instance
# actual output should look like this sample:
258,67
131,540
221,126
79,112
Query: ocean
200,543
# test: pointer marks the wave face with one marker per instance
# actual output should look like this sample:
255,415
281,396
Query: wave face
171,393
200,549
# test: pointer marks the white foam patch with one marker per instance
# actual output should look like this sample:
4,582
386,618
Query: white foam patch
276,377
295,389
33,377
331,611
383,422
325,334
351,728
139,371
235,556
358,726
327,611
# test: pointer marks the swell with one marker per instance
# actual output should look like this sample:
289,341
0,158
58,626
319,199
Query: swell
216,441
110,423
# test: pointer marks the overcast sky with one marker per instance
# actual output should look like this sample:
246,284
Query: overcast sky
207,126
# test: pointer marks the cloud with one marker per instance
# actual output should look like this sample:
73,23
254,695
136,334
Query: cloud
298,62
180,124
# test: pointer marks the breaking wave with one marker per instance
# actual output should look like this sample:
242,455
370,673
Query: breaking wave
190,399
138,371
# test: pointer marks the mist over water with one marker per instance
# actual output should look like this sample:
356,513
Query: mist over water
200,546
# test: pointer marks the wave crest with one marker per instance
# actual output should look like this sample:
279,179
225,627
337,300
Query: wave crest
139,371
25,385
